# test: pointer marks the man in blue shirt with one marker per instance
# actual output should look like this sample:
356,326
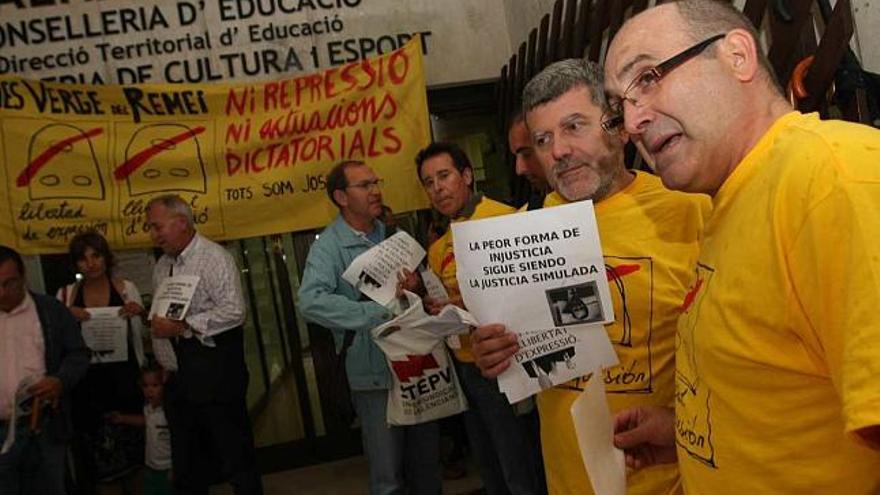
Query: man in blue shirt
327,299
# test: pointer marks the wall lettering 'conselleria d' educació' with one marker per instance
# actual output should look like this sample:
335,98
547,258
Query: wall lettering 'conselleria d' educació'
198,41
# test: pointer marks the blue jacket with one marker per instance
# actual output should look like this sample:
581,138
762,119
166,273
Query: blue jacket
328,300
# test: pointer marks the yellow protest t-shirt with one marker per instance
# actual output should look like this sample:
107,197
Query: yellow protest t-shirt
649,237
441,259
779,354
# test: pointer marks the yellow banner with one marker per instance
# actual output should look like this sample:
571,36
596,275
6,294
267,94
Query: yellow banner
250,158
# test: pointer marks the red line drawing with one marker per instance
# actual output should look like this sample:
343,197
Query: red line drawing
620,271
133,163
24,178
691,295
450,258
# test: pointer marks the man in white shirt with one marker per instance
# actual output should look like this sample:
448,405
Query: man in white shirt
40,344
205,397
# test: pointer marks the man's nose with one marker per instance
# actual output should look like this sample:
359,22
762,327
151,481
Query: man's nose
521,167
636,117
561,148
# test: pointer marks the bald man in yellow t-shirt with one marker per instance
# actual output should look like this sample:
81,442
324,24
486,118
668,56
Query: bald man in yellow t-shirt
779,343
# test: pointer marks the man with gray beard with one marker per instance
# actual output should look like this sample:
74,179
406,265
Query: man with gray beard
649,241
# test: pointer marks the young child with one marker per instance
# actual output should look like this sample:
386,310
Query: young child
157,454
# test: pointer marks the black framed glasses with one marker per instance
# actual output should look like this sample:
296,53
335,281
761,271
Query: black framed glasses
367,185
646,81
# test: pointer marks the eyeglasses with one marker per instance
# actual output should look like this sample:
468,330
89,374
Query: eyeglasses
644,84
367,185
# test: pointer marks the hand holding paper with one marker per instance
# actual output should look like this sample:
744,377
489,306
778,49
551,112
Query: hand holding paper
47,388
493,348
79,313
408,281
130,309
164,328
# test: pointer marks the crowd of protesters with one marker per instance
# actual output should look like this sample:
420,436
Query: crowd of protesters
759,224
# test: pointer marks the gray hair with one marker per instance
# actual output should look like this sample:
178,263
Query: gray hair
560,77
175,205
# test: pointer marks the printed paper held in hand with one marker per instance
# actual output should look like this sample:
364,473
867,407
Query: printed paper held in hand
173,297
435,290
106,335
375,271
594,429
171,300
542,275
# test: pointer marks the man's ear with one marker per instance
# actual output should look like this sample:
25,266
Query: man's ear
739,51
340,197
468,176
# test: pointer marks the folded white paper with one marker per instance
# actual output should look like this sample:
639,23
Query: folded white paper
594,428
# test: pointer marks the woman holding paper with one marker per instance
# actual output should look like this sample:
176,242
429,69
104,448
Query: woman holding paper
110,310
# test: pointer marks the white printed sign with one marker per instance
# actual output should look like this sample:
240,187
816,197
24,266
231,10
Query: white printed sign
542,275
173,297
375,271
106,335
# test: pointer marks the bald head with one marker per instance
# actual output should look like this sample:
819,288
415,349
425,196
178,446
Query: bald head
697,20
705,18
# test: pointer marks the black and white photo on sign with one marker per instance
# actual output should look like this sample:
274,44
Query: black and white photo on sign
542,367
575,304
175,311
542,275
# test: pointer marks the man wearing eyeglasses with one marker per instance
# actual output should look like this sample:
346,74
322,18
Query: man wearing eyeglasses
42,357
779,341
402,459
649,240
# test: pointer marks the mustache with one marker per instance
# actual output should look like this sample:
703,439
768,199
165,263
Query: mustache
564,165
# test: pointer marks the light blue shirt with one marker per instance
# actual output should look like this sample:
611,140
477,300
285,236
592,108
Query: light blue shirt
327,299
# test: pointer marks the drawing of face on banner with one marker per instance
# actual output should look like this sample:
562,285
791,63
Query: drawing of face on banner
63,164
53,180
165,158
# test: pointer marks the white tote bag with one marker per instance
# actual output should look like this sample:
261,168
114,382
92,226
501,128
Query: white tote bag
424,383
